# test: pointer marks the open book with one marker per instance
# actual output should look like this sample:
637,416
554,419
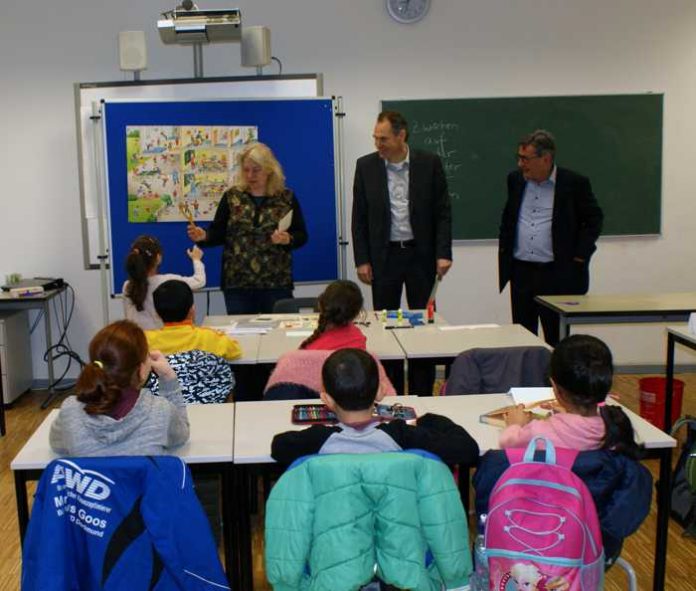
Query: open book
531,395
497,417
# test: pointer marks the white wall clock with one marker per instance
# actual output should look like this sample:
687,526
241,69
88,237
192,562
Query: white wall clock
407,11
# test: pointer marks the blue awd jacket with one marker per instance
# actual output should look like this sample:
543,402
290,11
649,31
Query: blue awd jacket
119,523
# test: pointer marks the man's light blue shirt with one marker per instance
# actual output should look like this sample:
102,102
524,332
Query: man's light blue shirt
397,183
534,241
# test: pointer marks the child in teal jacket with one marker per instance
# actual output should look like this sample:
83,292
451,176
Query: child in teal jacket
333,522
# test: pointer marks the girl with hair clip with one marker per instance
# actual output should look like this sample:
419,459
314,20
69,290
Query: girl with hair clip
581,373
339,305
142,266
112,415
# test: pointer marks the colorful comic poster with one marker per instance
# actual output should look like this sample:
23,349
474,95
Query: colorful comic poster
179,173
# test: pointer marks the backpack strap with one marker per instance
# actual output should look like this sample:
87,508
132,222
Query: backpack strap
553,456
681,422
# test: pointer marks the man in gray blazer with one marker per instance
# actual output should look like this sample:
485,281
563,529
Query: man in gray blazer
402,221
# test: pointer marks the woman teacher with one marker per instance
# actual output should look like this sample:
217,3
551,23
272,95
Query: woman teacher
257,259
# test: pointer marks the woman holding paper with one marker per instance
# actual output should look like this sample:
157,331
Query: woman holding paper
258,222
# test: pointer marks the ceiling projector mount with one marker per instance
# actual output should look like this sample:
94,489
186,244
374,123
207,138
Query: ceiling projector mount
187,25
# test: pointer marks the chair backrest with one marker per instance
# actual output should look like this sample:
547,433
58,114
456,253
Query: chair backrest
297,374
487,370
118,523
203,376
295,305
338,516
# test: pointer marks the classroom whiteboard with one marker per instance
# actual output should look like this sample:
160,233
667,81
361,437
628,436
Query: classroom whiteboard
89,140
300,131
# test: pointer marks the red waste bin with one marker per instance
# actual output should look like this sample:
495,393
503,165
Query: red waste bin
652,400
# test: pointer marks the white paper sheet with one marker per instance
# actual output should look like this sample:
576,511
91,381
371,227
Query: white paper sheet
528,396
285,221
467,326
235,328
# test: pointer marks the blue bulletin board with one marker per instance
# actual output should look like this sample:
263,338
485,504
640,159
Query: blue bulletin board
299,131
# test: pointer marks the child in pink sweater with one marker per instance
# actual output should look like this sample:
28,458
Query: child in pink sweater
581,373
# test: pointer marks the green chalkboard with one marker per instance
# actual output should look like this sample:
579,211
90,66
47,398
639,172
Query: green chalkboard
615,140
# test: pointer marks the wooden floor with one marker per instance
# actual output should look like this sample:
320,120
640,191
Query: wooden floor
26,415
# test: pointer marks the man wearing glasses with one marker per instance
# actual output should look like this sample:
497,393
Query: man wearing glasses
548,232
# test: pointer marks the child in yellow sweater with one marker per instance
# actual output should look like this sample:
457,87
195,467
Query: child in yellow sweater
174,303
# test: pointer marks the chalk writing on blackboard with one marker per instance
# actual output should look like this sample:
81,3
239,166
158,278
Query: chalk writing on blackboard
437,136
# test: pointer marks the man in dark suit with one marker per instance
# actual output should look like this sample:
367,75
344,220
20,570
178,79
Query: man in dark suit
548,231
402,221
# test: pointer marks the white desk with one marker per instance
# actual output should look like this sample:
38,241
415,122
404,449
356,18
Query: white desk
211,441
257,422
210,448
248,342
619,308
466,410
42,302
429,345
255,425
433,341
380,342
270,346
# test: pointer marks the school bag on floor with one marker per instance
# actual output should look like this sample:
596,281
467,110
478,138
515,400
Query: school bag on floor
542,530
683,505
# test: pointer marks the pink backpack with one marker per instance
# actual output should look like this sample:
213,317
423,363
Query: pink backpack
542,530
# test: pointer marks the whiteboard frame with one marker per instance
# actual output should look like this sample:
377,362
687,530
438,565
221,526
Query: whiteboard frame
88,126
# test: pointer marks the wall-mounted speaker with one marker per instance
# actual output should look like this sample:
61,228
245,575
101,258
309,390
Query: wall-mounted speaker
132,51
256,46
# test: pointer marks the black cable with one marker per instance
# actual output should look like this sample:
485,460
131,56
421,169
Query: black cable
63,348
280,65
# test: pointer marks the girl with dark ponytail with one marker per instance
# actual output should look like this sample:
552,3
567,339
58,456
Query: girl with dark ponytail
339,305
581,373
142,265
111,414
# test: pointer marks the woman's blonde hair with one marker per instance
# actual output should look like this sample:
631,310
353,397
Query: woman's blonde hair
262,155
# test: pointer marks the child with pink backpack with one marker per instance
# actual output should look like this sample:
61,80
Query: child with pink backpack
542,529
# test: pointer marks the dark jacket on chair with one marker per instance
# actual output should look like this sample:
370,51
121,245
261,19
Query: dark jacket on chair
484,371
